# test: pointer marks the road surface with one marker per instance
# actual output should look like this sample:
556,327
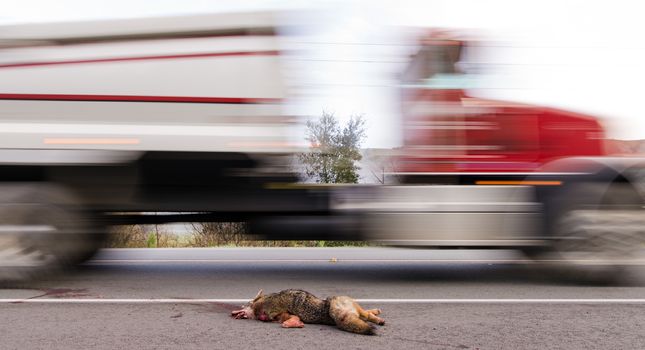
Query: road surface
431,299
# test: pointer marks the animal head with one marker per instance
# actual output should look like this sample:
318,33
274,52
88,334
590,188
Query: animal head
249,310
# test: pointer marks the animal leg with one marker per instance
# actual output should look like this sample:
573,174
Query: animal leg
369,316
290,321
374,312
239,314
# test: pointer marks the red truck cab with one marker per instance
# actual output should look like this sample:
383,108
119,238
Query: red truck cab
447,131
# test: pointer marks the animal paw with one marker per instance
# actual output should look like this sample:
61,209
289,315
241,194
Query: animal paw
239,314
293,322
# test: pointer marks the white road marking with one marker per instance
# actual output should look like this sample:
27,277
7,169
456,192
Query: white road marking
380,301
503,301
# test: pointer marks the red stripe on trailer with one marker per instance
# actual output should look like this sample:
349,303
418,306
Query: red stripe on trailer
143,58
138,98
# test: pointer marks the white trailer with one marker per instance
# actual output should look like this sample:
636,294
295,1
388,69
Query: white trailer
181,114
198,83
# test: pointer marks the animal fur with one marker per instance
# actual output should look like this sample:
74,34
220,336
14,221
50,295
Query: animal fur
293,308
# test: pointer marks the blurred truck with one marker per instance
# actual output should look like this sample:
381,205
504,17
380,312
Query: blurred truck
152,120
182,119
482,173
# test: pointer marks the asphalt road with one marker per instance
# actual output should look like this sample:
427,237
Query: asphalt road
181,298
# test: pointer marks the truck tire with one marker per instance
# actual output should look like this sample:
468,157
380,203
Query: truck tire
596,233
44,230
597,245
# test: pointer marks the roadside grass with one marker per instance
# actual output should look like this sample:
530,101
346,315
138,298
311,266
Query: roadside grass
205,235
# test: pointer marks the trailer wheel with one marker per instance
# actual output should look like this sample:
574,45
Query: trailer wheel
43,230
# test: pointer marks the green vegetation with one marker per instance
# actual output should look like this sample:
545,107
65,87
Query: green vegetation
152,241
334,149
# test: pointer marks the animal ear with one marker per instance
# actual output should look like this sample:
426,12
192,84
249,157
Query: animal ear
259,295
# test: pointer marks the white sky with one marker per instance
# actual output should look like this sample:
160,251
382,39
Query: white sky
587,56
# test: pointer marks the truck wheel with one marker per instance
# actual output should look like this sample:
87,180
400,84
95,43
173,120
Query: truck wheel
595,241
43,230
600,243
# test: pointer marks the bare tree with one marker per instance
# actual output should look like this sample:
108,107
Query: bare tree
128,236
212,234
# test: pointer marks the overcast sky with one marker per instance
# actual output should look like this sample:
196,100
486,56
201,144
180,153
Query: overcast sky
587,56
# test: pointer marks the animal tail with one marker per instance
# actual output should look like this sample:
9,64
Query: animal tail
352,323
